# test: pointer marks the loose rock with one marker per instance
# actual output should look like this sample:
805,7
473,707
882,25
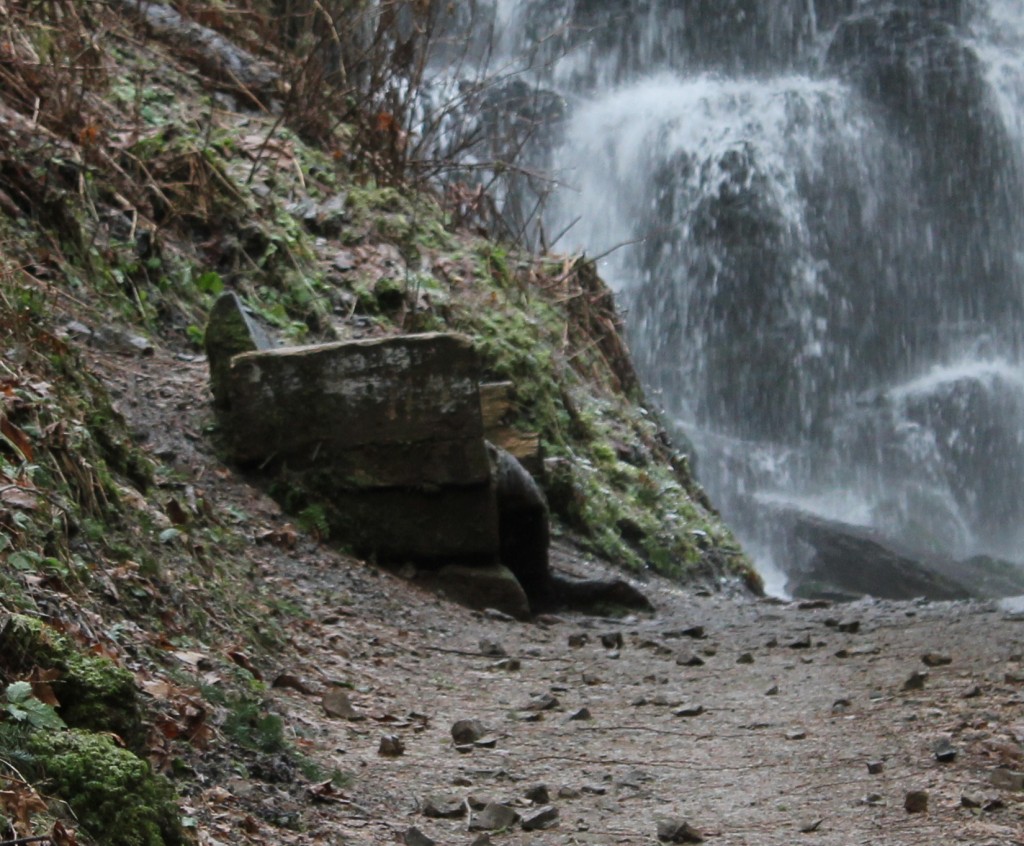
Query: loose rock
391,746
494,817
935,659
612,640
444,807
414,837
541,819
916,801
541,702
539,794
678,831
916,681
467,731
945,752
492,649
686,658
336,703
689,711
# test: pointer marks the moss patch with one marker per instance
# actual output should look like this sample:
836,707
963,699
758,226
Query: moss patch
94,693
114,794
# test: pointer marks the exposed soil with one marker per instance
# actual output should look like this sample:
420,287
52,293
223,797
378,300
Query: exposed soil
786,711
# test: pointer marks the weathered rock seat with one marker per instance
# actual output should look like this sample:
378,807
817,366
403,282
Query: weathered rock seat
386,438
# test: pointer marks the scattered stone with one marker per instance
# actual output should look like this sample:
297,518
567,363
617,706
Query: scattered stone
414,837
972,691
972,800
612,640
873,799
678,831
482,840
686,658
814,604
336,703
494,817
745,658
391,746
849,626
479,801
803,642
444,808
693,632
1006,779
935,659
1014,678
796,734
578,640
540,819
975,800
498,616
772,691
594,789
566,792
916,681
916,801
541,702
485,743
656,647
538,794
810,826
509,665
527,717
710,650
462,781
614,654
945,752
771,643
591,679
689,711
841,704
876,767
581,714
492,649
467,731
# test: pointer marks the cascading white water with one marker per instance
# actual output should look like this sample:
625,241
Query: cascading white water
815,213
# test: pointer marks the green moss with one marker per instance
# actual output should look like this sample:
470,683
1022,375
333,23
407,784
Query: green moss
94,692
114,794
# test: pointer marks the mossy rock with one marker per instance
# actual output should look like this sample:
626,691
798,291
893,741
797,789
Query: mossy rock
114,794
94,692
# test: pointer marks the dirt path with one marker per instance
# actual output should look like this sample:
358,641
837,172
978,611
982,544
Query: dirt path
766,741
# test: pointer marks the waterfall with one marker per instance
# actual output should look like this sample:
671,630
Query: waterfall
813,211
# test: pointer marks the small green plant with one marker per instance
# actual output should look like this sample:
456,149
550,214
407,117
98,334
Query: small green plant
22,706
313,519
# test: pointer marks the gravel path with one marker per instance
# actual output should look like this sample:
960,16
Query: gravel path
754,722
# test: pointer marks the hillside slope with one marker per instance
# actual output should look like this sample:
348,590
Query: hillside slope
141,174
